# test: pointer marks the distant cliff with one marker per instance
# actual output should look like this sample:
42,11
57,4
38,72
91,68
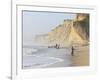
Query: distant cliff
70,32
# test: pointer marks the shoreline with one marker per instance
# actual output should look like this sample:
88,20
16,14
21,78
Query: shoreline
81,56
46,58
45,55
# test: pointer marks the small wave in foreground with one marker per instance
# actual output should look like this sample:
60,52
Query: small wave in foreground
29,50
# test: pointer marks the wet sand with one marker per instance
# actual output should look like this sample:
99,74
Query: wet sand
81,56
51,57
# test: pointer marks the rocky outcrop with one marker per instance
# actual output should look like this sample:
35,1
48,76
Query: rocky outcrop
70,32
81,25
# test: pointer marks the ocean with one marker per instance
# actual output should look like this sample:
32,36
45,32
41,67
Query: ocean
44,57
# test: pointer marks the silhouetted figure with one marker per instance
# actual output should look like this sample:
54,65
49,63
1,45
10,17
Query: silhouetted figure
55,46
58,46
72,53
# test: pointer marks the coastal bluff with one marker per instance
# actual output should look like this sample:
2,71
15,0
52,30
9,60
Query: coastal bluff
70,32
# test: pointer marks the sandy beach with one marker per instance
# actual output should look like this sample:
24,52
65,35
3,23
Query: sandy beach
81,56
44,57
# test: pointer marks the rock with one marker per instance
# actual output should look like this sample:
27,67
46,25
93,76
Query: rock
69,33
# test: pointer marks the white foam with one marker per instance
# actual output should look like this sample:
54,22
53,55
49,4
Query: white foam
29,50
56,60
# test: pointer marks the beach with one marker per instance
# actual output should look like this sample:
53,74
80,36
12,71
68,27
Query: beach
81,56
44,57
60,42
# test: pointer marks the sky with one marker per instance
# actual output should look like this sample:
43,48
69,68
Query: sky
35,22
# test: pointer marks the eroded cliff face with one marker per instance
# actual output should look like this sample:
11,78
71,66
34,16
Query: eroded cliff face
81,26
69,33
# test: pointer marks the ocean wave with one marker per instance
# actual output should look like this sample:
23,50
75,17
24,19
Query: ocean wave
40,61
29,50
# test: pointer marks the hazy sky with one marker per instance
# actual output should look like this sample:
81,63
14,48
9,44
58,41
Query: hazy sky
42,22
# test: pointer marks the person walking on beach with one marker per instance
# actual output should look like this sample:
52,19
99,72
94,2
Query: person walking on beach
56,46
72,53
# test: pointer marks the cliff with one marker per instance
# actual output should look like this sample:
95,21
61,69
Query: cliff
70,32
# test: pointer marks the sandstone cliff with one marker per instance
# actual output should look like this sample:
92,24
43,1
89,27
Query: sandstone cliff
70,32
